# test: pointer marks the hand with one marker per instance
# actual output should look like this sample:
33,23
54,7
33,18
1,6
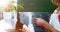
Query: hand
39,22
44,24
25,28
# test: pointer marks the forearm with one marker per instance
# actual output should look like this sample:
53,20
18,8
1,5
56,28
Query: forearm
48,27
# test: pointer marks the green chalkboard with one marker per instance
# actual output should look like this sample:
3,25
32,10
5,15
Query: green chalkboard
38,6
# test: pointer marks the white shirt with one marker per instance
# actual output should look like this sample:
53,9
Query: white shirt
55,22
4,26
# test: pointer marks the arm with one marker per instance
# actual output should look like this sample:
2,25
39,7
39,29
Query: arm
44,24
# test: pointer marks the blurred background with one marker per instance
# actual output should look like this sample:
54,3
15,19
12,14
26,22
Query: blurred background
36,6
7,6
8,12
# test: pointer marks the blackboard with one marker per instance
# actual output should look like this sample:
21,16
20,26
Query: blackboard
38,5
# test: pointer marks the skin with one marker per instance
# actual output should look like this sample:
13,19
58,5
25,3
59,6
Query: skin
56,2
39,22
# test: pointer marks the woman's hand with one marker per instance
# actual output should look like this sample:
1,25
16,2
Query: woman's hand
39,22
